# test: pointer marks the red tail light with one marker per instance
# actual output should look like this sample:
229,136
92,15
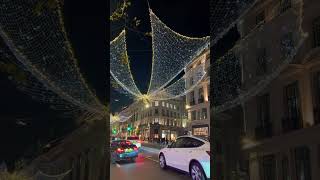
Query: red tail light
208,153
120,150
135,148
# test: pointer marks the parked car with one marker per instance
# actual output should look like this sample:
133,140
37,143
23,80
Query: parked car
134,140
123,150
190,154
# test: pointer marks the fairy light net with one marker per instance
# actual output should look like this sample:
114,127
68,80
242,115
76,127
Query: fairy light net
225,14
119,65
172,52
37,39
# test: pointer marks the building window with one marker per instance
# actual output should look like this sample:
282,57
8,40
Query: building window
156,120
167,113
171,107
260,18
167,105
292,103
156,111
193,115
199,115
163,104
285,5
286,45
316,32
204,113
201,96
174,106
269,167
263,110
162,112
192,101
156,103
262,61
316,95
302,159
191,81
175,115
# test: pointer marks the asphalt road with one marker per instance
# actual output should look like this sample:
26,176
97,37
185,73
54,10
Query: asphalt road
146,167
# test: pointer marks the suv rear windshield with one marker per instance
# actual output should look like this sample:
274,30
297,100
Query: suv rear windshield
133,138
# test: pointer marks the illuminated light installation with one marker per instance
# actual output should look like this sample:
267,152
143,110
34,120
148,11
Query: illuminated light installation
172,52
40,46
119,65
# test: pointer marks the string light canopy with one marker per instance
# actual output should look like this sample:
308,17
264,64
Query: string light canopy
34,34
172,52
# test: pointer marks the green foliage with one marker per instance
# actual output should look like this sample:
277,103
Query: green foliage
120,12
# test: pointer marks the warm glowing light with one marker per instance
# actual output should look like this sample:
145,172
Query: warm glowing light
187,106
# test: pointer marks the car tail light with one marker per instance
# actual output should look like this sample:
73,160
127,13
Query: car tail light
208,153
120,150
135,148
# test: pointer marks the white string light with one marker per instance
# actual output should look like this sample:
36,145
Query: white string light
38,41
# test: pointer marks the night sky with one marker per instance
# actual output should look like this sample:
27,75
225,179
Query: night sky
183,16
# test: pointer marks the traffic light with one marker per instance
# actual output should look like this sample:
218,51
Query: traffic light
129,128
114,131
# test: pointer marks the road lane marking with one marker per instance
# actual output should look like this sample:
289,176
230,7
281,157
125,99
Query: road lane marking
149,157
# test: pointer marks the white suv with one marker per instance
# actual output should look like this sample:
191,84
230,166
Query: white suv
190,154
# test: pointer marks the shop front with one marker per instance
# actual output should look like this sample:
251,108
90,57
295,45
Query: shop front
200,130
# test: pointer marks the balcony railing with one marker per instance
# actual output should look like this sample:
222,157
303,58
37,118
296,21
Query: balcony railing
291,124
265,131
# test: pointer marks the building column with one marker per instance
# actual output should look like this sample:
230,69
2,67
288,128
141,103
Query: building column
306,100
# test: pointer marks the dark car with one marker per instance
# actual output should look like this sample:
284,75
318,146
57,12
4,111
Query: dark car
123,150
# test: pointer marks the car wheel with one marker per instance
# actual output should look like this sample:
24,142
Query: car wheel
162,162
197,172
